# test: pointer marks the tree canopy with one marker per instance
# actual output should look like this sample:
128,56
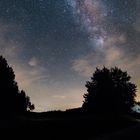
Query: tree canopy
12,100
109,90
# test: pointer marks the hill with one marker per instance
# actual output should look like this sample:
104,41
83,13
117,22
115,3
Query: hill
74,124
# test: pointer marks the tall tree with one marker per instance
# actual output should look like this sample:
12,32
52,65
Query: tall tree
109,90
12,100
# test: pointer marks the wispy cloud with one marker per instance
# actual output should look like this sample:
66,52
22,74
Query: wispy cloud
83,67
33,62
110,55
29,74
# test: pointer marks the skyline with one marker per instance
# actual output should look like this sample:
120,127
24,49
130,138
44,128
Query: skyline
54,47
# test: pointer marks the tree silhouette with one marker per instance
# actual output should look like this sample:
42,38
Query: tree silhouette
11,99
109,90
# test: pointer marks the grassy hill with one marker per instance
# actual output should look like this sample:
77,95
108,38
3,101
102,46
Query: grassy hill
74,125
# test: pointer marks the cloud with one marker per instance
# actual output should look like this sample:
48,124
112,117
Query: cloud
33,62
112,56
29,75
82,66
115,40
65,98
109,56
12,50
33,77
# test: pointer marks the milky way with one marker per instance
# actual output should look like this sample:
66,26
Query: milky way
54,46
97,19
91,14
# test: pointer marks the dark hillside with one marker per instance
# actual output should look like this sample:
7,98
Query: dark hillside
72,126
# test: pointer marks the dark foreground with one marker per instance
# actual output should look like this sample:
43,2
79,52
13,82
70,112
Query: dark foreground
71,126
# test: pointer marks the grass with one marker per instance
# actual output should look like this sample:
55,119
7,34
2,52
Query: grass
73,126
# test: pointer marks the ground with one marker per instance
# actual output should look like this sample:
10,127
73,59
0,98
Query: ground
74,126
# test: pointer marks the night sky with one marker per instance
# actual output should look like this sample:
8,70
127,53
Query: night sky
54,46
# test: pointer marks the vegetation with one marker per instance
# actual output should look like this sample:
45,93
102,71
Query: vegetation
12,100
109,91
